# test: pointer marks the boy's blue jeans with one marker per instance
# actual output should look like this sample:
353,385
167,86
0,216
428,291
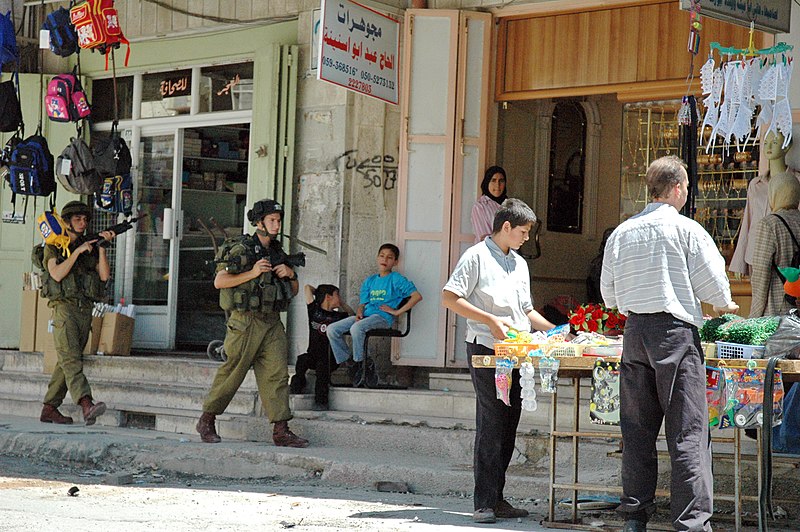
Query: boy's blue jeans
358,330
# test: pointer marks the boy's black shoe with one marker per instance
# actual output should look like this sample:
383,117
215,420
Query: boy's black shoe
295,386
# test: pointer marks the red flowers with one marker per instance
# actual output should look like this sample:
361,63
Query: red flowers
594,317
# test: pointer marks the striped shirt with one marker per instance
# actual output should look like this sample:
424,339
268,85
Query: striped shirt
483,217
495,282
661,261
772,243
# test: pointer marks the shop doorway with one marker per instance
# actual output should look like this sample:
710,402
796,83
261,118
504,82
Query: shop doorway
192,185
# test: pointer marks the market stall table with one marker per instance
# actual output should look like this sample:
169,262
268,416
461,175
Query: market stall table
580,367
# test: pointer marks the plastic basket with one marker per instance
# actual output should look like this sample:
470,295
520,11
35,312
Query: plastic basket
509,349
563,349
729,350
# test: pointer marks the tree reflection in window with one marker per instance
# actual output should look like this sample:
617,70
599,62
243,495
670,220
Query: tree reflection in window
567,168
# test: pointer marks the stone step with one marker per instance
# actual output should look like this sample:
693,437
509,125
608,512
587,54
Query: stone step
450,382
191,398
162,370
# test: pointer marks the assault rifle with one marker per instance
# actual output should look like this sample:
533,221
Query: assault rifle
118,229
274,254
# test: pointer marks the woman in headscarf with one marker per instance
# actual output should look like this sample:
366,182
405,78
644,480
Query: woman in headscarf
774,246
493,187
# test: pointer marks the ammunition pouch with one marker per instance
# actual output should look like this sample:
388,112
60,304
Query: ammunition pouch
75,286
265,294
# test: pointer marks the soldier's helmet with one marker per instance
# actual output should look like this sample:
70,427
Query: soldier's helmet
263,208
73,208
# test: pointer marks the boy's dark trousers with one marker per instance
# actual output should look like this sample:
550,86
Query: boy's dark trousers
496,431
323,369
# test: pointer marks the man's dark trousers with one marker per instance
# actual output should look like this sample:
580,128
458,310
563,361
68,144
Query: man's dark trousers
662,377
496,431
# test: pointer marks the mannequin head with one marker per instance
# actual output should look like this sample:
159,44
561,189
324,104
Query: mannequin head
783,192
773,146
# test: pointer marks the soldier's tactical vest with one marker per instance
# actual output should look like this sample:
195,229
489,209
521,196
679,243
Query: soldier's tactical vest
266,293
81,283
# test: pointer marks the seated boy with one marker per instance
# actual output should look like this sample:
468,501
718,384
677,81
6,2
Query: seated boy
380,298
323,309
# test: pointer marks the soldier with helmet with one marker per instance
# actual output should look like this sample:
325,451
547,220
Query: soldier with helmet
73,284
254,288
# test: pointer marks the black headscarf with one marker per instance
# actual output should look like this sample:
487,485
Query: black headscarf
487,176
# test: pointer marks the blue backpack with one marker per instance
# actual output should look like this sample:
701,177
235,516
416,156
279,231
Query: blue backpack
116,195
63,38
9,53
32,168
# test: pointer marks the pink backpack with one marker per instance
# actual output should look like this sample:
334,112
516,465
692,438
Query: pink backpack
65,100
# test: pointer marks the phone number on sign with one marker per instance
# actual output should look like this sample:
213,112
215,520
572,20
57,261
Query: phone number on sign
360,86
377,80
338,65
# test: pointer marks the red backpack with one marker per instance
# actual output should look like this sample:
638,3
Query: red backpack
97,25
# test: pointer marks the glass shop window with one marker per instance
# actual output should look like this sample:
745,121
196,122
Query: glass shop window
567,169
103,99
167,93
226,87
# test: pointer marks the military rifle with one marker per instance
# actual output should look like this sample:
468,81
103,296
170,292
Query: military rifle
118,229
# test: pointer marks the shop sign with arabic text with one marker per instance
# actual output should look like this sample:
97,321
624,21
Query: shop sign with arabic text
359,49
771,16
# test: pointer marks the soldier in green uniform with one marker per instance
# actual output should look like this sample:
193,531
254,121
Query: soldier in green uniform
254,288
73,284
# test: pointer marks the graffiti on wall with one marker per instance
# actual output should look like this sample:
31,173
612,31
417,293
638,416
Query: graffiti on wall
378,171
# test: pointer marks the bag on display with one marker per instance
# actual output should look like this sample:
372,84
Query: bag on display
63,38
32,168
66,101
9,52
97,25
116,195
112,156
75,169
10,110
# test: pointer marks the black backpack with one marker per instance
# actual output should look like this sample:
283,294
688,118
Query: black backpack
112,156
10,110
75,169
794,264
63,38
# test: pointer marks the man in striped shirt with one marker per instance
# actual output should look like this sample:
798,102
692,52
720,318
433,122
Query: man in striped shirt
657,267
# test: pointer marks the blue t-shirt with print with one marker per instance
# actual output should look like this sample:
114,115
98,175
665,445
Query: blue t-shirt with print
389,290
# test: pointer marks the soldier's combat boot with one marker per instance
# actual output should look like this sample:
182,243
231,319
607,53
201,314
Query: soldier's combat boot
91,411
50,414
283,437
205,426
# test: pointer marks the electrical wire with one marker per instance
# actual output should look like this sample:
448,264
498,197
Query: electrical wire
214,18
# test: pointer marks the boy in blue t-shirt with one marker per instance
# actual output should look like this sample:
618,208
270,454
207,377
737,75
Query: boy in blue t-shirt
381,295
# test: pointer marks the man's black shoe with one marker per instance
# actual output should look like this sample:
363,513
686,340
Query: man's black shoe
506,511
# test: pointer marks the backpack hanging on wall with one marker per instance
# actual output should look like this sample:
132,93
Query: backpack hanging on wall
112,156
10,110
97,25
63,37
32,168
116,195
66,101
75,169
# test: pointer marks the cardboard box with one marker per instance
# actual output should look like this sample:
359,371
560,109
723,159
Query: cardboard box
116,335
94,336
27,322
